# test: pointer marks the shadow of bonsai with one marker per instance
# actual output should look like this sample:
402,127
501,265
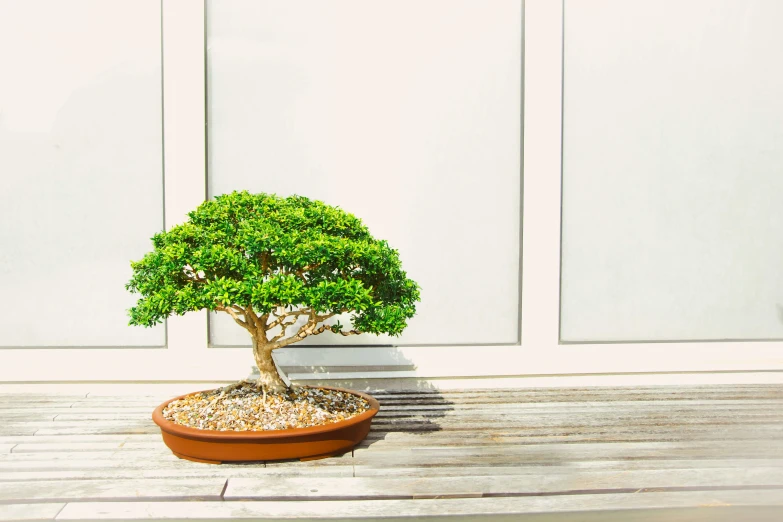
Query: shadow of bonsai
411,406
415,412
408,405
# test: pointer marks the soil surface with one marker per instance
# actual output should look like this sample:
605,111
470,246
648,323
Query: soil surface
240,407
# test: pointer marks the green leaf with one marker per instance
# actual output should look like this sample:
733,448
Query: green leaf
267,251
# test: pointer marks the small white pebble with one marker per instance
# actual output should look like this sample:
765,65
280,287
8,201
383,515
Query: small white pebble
242,409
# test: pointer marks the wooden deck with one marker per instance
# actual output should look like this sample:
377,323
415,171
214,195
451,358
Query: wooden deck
630,454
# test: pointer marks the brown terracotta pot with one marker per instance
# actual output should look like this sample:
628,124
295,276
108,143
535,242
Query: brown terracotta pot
214,447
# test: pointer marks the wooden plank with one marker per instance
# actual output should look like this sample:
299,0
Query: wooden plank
65,451
150,449
36,466
585,438
608,412
32,395
13,431
121,415
11,407
596,433
55,460
520,402
515,435
455,422
536,423
208,488
177,472
585,404
157,457
127,403
48,439
564,396
581,389
593,450
555,453
554,407
110,388
30,512
378,488
562,401
627,415
561,409
120,429
711,505
21,404
99,424
585,390
28,416
621,419
286,466
542,468
561,398
4,412
6,448
84,446
471,390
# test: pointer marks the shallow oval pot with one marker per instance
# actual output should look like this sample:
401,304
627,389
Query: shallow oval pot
214,447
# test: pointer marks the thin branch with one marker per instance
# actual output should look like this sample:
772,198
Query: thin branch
233,314
299,335
349,332
330,327
283,327
321,318
309,328
283,317
290,340
264,262
249,324
251,314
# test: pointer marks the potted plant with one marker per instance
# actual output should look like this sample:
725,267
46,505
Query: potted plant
283,269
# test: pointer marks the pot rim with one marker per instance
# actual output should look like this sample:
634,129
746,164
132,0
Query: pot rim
270,435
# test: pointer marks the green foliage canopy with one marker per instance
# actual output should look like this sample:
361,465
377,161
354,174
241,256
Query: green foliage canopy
265,252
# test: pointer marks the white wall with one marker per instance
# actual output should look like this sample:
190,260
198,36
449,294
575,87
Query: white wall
423,100
672,170
81,167
406,114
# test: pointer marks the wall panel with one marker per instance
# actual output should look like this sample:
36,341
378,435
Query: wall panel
406,114
672,171
81,167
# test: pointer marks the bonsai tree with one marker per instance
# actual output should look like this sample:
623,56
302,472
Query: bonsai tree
270,263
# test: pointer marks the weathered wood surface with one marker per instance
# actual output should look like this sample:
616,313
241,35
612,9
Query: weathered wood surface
698,506
648,453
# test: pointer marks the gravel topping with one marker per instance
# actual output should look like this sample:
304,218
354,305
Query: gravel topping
240,407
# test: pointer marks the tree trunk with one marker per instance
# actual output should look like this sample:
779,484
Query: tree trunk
269,380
